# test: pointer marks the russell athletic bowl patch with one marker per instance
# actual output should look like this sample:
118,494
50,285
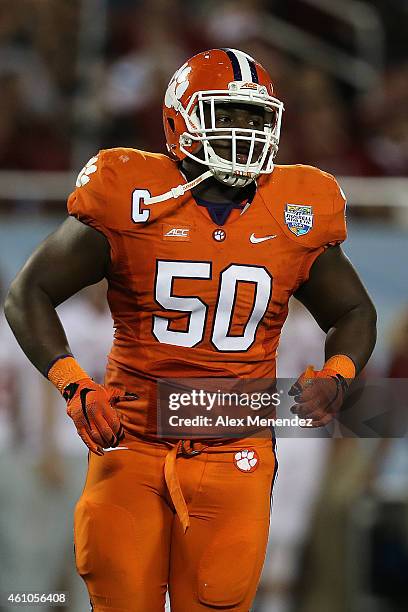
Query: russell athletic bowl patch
299,218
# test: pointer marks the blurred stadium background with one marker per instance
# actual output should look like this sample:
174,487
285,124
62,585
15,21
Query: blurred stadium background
87,74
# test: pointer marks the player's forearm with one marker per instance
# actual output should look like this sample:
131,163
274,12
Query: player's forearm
35,324
354,335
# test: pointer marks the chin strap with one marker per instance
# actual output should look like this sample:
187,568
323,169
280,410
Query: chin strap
180,190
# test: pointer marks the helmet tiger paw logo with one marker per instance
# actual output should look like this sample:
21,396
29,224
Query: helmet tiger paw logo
246,460
177,87
89,168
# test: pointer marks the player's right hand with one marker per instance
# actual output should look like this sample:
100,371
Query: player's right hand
92,408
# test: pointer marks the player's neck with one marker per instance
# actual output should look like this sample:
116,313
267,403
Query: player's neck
211,190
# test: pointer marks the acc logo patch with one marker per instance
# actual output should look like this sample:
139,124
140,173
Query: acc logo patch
180,233
299,218
246,460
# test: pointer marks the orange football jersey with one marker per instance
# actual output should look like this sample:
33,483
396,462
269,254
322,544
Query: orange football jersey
189,298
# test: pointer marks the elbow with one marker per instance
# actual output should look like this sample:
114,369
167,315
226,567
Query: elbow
373,320
11,302
362,314
17,297
370,314
365,316
374,317
368,325
7,307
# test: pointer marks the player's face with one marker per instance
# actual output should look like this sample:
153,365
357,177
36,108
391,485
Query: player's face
245,116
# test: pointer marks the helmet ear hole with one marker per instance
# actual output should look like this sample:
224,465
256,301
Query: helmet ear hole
171,123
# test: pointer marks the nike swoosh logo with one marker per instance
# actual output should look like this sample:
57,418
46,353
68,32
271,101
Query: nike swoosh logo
116,448
255,240
82,394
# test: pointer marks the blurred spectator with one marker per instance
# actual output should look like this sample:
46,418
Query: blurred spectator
357,551
234,23
10,414
31,124
328,565
135,82
384,113
388,540
46,111
388,532
324,127
48,459
54,31
298,480
398,360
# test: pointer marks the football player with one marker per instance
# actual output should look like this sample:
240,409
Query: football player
202,249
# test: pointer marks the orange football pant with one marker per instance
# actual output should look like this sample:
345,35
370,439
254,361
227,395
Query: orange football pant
130,543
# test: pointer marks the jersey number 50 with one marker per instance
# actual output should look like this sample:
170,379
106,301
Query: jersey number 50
197,310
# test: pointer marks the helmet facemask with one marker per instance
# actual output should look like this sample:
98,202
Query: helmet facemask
252,151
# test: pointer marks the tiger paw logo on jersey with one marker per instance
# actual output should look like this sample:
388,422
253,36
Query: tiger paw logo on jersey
219,235
246,460
299,218
89,168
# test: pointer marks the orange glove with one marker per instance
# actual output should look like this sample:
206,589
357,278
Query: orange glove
319,394
92,408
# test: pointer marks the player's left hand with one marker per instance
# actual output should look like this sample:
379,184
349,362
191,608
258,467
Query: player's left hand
319,395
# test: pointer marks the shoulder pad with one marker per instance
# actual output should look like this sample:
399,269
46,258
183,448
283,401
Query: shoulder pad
307,203
102,197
